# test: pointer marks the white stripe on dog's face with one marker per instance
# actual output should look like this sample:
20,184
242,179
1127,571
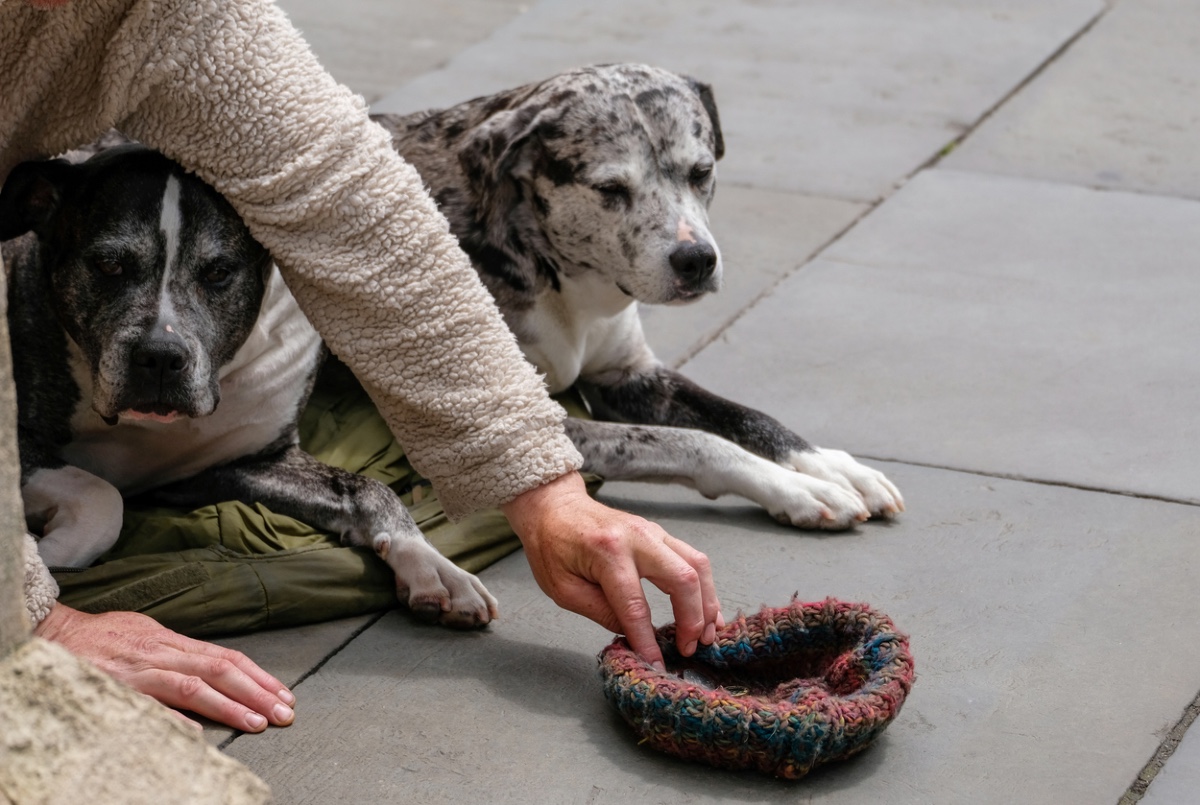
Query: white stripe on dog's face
170,222
151,257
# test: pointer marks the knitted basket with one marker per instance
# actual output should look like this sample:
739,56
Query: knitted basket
781,691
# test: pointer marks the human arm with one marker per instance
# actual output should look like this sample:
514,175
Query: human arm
358,240
590,559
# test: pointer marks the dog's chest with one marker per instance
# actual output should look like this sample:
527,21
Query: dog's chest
585,329
261,391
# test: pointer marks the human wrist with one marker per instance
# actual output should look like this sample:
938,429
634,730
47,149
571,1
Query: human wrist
531,506
56,622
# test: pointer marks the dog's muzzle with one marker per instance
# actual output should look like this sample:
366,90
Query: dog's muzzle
158,381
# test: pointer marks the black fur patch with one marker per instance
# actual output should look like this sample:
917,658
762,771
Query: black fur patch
665,397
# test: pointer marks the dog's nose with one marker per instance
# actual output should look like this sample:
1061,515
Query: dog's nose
694,263
160,357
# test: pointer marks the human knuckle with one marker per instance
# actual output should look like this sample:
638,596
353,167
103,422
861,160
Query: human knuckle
608,541
646,529
637,610
148,645
688,577
701,562
219,667
190,686
233,657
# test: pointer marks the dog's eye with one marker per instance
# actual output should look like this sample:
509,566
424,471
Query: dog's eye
217,275
700,174
615,191
109,268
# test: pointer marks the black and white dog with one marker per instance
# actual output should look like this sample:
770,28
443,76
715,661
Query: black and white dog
576,199
138,303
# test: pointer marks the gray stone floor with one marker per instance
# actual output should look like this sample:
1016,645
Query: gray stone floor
1007,331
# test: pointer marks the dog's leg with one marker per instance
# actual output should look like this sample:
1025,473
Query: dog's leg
713,466
362,511
660,396
78,515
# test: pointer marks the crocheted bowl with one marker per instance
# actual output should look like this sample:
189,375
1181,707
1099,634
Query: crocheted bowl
781,691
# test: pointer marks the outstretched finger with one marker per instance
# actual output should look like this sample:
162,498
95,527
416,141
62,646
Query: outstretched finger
708,588
228,679
190,692
622,594
667,570
243,663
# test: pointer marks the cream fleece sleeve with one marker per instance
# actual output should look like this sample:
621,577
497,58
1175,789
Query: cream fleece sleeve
231,91
41,590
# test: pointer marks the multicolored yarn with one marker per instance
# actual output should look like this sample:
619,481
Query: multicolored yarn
781,691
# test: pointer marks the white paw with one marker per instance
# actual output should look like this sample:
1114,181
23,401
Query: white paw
433,587
78,515
807,502
878,494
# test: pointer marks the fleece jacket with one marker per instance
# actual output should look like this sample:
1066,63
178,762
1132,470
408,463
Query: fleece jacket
230,90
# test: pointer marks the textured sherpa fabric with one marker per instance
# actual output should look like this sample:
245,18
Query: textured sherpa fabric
41,590
229,89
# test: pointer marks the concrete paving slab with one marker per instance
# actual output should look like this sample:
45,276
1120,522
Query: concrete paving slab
1118,109
764,235
374,46
289,654
1178,783
824,98
991,324
1044,621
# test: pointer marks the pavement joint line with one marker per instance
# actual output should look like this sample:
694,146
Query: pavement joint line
317,667
695,349
1137,789
872,205
947,149
749,185
1029,480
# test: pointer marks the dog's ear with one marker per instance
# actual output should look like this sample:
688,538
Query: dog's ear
704,91
30,195
497,151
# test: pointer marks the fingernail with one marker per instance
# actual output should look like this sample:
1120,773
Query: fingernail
255,722
287,696
710,634
658,666
690,650
720,620
283,714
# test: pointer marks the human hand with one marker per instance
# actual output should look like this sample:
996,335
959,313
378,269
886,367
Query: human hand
180,672
590,559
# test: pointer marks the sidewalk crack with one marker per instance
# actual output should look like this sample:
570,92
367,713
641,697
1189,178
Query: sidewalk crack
317,667
1008,476
1137,789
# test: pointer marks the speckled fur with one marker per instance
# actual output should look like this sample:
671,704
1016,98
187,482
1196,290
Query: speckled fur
574,198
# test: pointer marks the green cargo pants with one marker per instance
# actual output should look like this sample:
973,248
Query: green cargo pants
232,568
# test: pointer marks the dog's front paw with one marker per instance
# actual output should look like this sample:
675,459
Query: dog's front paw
880,495
436,589
807,502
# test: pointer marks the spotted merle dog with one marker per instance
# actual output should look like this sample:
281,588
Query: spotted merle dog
578,198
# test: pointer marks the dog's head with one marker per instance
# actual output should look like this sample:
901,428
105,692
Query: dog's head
617,166
151,272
